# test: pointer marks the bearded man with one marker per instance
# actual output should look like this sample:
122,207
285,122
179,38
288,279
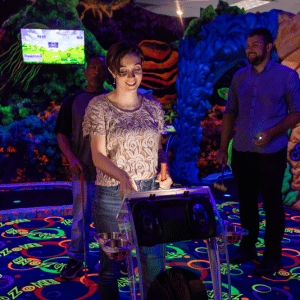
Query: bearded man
264,102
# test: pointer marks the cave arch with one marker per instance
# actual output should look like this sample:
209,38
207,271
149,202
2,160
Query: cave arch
200,66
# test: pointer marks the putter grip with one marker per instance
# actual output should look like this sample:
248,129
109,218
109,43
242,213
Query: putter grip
220,187
163,171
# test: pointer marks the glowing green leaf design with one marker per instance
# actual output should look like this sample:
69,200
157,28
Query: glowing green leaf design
223,93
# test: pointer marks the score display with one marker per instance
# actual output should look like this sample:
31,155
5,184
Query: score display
52,46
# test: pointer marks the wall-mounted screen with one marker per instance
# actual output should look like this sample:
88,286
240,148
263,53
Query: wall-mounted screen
52,46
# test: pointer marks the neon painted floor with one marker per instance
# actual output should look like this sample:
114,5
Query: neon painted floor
33,252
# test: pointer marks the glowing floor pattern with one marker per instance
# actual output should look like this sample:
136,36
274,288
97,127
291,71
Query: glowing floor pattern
33,252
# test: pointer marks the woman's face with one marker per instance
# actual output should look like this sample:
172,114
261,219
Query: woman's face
131,73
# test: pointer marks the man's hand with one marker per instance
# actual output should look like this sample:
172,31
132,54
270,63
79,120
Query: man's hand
222,157
263,138
65,146
75,166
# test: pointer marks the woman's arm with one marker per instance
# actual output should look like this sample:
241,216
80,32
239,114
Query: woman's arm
162,158
103,163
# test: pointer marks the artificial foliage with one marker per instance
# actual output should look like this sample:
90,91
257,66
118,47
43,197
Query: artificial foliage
53,84
101,9
289,196
19,108
212,124
29,151
207,15
201,65
63,15
30,94
210,144
223,93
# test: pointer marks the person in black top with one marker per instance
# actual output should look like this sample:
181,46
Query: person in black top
78,153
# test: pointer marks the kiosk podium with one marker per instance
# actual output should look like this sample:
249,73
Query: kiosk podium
147,219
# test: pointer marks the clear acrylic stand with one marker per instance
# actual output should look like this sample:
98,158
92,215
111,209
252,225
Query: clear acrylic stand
128,232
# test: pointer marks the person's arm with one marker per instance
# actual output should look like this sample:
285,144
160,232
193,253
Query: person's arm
162,158
264,137
65,147
228,121
63,130
103,163
226,135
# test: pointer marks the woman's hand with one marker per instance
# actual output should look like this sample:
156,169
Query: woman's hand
127,185
164,184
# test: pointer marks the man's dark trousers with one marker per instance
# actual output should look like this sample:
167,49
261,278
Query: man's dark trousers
262,172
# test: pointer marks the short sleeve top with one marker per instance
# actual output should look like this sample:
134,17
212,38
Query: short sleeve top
69,123
132,137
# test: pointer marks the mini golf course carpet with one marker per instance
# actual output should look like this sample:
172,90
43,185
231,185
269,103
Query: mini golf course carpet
33,252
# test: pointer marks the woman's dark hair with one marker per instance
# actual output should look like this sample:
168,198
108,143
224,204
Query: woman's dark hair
264,32
117,51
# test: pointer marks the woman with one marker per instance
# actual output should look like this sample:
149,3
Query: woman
124,128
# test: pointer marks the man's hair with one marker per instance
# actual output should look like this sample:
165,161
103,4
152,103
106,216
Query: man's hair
93,57
264,32
117,51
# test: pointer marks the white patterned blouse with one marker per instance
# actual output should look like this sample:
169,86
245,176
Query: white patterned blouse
132,137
